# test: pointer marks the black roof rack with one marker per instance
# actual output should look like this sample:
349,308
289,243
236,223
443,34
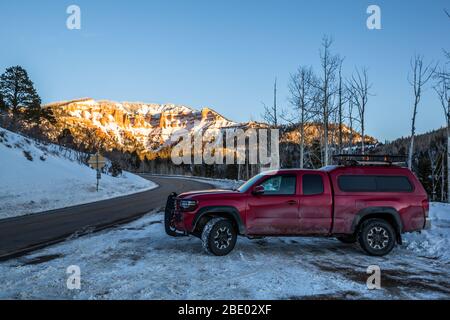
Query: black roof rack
369,160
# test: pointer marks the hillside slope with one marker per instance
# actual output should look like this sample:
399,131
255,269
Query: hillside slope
422,143
37,177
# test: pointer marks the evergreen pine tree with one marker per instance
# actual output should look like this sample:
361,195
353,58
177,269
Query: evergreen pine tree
18,92
2,103
33,111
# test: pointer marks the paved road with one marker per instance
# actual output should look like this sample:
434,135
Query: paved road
23,234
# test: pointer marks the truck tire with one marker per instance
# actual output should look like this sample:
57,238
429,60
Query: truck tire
376,237
347,239
219,236
168,216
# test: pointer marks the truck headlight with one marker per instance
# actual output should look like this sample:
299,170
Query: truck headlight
187,205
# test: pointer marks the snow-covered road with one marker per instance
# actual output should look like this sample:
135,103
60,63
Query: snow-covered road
138,261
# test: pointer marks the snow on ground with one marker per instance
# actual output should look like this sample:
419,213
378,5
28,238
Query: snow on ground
35,177
436,242
138,261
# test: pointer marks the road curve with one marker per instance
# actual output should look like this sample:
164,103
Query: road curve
20,235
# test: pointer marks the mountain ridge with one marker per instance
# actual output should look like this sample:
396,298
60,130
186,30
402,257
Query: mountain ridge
146,128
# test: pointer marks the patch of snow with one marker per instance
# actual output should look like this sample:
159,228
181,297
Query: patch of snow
139,261
36,177
434,243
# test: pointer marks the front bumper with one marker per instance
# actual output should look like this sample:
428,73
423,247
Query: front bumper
427,224
184,220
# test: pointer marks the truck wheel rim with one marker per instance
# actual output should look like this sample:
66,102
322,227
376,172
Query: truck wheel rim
378,238
222,238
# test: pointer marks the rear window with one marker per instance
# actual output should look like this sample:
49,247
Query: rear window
352,183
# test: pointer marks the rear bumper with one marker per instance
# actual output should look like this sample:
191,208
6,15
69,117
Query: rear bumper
427,224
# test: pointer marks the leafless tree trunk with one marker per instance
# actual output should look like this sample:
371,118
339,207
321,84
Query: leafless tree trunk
433,155
327,86
270,114
334,133
443,178
340,109
350,122
302,97
442,89
420,76
359,86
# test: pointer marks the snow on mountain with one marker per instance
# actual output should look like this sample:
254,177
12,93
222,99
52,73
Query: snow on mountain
147,128
131,126
36,177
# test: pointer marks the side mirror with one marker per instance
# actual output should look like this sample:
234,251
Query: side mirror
258,190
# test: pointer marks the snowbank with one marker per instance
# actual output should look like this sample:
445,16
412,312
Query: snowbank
436,241
34,178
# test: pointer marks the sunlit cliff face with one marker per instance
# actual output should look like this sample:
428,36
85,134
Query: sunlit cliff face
147,128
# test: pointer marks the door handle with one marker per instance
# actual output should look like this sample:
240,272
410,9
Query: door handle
292,202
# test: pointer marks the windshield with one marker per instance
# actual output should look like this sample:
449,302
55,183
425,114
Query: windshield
249,183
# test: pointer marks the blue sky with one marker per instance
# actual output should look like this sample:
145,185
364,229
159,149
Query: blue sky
223,54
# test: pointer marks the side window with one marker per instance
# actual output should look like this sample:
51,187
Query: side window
393,184
281,185
312,184
357,183
374,184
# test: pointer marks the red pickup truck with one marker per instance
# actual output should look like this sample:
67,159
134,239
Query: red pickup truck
372,205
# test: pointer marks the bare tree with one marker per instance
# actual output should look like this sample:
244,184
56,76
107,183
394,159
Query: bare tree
351,124
359,86
270,114
327,89
443,180
434,156
340,108
421,74
271,117
442,88
303,99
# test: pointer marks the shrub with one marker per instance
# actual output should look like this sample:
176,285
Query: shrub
27,155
